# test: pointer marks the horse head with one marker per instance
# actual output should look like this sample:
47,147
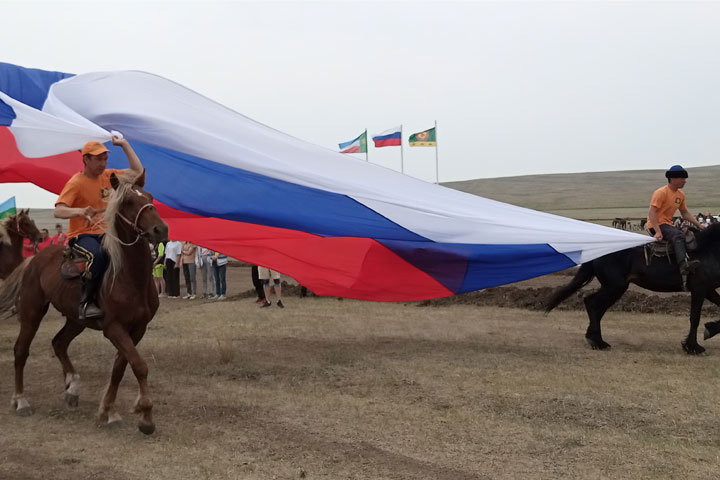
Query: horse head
25,226
135,208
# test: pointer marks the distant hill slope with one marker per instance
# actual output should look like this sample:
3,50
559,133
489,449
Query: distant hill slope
608,194
594,196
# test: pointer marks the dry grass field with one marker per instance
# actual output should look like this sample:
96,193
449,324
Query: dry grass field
341,389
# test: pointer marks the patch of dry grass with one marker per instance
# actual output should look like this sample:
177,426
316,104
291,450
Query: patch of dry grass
347,389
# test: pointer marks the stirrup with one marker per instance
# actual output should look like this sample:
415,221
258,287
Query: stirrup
90,311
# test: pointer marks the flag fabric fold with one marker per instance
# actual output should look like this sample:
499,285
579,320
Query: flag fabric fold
388,138
223,181
426,138
357,145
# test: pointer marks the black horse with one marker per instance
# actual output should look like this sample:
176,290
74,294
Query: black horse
617,270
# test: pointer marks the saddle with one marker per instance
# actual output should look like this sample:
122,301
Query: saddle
75,261
665,249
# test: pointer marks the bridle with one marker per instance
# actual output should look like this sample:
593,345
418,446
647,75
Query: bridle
19,228
139,232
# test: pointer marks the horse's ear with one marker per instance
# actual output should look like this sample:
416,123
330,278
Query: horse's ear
114,181
140,180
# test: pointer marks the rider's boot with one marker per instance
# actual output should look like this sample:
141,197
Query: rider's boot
89,311
686,266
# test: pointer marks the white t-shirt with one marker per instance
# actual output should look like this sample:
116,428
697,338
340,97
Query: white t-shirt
173,249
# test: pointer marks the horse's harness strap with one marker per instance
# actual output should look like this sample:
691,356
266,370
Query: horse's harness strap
138,231
19,228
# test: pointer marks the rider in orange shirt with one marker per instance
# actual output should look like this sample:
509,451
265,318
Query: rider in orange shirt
83,201
663,205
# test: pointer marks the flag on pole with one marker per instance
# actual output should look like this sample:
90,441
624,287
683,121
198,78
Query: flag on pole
359,145
8,207
388,138
423,139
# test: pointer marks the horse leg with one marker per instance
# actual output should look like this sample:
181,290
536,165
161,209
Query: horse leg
30,317
60,344
690,344
125,345
596,305
712,328
107,411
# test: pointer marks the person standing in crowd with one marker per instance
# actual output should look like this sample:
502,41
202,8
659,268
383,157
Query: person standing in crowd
60,237
188,265
257,283
46,240
265,275
205,266
220,261
173,249
158,267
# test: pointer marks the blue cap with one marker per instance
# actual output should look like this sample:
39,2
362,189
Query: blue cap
676,171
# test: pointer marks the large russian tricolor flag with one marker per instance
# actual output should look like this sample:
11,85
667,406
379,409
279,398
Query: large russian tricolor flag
388,138
339,225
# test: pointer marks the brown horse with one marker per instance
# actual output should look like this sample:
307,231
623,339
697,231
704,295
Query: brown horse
128,298
13,229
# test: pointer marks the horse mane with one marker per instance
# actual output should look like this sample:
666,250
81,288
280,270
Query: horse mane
4,226
110,241
708,237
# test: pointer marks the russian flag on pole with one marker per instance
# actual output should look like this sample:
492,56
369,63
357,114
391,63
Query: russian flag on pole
357,145
342,228
388,138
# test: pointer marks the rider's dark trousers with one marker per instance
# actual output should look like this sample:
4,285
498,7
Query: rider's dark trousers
92,245
676,237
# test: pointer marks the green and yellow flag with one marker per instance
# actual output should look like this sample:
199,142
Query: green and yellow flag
8,207
423,139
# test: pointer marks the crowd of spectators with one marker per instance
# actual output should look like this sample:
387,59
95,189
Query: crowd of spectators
170,258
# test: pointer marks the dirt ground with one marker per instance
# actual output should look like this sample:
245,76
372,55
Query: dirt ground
327,388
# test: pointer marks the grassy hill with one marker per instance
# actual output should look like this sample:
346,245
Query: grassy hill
597,196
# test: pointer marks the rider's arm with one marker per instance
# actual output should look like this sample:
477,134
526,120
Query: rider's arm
136,167
686,215
63,211
653,217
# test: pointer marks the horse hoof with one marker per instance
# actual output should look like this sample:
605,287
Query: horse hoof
72,400
114,424
692,349
598,345
147,428
24,411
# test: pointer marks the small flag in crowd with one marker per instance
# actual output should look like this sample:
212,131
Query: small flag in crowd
423,139
388,138
8,207
359,145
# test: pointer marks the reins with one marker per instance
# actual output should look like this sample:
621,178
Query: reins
134,224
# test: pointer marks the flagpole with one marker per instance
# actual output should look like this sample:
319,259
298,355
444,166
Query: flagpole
402,167
366,147
437,168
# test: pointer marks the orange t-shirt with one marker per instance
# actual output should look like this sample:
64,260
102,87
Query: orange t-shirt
82,191
667,202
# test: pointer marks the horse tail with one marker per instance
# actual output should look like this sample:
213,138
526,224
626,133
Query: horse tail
10,289
582,278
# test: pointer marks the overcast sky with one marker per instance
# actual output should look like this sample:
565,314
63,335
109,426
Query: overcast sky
517,88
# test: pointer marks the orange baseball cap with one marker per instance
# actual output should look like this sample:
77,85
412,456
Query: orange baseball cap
94,148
